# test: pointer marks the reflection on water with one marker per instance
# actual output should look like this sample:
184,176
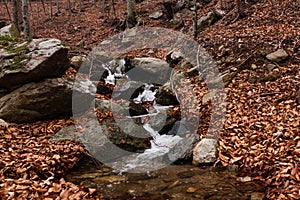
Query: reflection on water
173,182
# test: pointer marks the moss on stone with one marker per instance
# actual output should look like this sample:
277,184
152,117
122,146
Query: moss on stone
6,40
14,31
19,49
16,63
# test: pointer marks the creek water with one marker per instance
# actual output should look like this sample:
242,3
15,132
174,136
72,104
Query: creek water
168,181
182,182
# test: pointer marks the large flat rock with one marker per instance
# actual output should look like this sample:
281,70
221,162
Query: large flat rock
32,62
45,100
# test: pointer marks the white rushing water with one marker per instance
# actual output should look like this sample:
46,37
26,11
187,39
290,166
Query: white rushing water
150,159
146,95
115,70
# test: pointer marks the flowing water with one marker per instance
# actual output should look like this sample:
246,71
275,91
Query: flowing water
182,182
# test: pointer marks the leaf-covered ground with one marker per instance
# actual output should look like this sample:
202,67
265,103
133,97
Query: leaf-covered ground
261,133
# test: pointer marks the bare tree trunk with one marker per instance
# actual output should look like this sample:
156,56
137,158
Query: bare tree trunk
51,11
7,10
239,7
17,14
195,21
80,5
131,14
43,4
26,19
114,8
69,7
57,7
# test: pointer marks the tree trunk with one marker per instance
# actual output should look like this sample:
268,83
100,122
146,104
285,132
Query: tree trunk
7,9
239,7
51,11
26,20
131,14
57,7
195,21
17,14
69,7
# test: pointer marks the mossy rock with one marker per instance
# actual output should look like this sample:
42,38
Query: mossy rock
17,62
14,31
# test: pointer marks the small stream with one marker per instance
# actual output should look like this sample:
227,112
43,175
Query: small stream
153,177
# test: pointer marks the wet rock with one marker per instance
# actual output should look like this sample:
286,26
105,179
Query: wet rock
125,108
47,99
183,149
156,15
278,55
127,90
25,63
131,128
163,121
137,109
205,151
186,174
128,135
107,142
165,95
103,89
180,128
149,70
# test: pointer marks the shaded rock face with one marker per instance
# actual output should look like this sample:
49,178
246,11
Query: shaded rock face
165,95
2,24
127,108
40,59
47,99
101,138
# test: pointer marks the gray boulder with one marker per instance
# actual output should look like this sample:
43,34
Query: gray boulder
207,20
149,70
124,108
47,99
278,55
156,15
32,62
205,151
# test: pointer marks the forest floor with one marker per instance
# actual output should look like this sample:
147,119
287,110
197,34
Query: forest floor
261,132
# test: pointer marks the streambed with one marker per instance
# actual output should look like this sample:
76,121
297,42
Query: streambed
172,182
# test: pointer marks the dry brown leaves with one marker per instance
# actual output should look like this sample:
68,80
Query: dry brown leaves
31,166
262,131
